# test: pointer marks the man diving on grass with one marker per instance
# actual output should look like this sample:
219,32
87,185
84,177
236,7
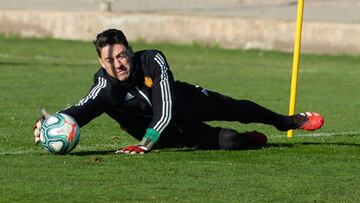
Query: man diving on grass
138,91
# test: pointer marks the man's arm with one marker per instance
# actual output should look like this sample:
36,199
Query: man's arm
162,103
162,99
87,109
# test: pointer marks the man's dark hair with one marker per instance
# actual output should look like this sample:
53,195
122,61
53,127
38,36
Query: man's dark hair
110,37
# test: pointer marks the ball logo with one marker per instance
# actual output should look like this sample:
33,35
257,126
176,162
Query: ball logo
60,130
71,135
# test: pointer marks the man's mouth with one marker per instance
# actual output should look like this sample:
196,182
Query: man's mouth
121,70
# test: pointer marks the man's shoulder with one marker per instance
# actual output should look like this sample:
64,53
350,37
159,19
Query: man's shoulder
104,86
100,73
102,77
147,54
101,80
147,60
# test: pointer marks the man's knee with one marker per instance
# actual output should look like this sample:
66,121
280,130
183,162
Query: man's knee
229,139
232,140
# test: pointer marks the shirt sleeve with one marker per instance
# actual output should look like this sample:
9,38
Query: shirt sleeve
162,98
89,107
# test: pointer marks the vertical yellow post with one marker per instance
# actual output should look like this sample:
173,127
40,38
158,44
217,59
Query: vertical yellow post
296,57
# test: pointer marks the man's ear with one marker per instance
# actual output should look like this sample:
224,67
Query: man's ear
130,53
101,63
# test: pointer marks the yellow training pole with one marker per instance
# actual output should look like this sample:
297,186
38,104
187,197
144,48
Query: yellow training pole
296,57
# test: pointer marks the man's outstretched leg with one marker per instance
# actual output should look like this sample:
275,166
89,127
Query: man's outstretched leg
246,111
214,106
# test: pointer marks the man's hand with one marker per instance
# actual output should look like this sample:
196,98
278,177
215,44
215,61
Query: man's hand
37,125
135,149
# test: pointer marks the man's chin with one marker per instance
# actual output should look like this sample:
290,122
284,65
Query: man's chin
122,77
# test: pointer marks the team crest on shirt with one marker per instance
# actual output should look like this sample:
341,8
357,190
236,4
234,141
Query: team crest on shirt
148,82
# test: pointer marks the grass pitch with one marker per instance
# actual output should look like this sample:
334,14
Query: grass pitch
311,167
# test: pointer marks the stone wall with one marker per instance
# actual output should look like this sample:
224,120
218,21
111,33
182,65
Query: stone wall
229,32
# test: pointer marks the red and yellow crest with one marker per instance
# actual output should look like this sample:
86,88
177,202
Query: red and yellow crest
148,82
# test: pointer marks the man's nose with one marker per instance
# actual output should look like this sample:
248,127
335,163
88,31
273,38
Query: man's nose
117,63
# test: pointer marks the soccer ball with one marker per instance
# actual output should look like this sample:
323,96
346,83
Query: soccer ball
59,133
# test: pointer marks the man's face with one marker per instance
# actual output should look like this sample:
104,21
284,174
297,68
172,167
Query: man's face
116,60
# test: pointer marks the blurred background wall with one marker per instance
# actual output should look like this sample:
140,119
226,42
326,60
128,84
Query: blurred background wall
329,26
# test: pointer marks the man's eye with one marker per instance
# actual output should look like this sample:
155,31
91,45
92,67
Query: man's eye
122,55
109,60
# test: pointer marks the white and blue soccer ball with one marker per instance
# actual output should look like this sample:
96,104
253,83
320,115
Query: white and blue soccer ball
59,133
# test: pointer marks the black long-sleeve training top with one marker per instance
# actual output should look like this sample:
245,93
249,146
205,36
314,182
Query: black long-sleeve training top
148,94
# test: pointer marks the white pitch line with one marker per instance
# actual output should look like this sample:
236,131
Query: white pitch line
318,134
46,58
37,151
18,151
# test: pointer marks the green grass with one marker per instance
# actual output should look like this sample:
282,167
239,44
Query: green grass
306,168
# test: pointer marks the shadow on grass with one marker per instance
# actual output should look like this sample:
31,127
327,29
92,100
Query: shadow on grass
270,145
112,152
89,153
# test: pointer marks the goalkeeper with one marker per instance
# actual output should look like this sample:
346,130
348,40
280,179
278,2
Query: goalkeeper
138,91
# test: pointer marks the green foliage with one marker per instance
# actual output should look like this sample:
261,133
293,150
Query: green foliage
307,168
